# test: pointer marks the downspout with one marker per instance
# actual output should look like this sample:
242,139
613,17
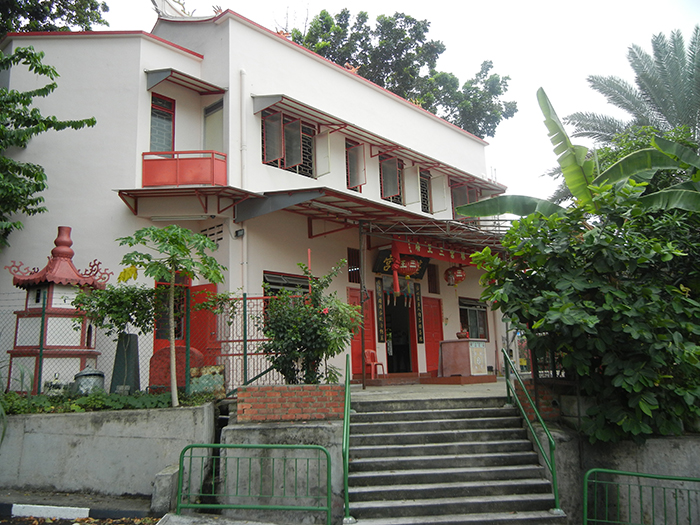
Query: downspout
244,175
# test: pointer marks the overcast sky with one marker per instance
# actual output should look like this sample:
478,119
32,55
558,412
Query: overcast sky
552,44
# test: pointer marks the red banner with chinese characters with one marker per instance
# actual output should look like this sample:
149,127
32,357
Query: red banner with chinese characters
433,250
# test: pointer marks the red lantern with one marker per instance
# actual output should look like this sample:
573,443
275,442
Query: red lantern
455,275
408,266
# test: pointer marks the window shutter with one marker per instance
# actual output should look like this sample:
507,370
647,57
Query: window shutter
292,144
357,174
390,177
439,193
272,127
411,185
322,154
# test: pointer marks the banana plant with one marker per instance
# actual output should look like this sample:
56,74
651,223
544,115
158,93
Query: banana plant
579,172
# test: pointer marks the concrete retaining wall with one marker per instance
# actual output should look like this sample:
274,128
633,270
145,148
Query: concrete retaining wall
671,456
109,452
328,434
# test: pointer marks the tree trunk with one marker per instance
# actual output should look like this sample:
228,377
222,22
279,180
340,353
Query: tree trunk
171,337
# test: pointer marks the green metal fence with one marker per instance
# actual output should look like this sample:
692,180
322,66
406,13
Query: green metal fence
346,441
549,458
632,498
255,477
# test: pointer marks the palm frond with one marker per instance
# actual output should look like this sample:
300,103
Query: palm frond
600,128
621,94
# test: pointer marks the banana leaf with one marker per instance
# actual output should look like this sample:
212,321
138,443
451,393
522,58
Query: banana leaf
683,196
677,151
514,204
640,165
578,172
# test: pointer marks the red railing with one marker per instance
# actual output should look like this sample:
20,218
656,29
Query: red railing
179,168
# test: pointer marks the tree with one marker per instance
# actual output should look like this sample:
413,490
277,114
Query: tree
50,15
609,285
608,289
304,329
21,182
581,175
666,94
397,55
178,251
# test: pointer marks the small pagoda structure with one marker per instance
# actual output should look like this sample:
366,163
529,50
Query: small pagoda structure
47,345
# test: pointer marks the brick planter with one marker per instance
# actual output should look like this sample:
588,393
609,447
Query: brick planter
260,404
548,403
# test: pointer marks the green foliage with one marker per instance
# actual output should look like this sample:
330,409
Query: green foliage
50,15
21,182
614,292
117,308
396,54
14,403
178,251
307,328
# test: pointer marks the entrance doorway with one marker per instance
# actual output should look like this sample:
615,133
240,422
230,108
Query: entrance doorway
398,330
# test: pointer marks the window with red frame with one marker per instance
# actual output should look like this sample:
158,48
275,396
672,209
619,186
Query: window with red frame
288,142
162,123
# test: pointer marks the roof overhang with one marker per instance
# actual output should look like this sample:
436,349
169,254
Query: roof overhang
340,211
378,144
156,76
227,197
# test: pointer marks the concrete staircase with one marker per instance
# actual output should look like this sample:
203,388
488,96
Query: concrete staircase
444,461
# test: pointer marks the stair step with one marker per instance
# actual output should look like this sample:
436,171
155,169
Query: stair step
454,505
434,425
496,518
456,447
450,489
370,478
426,404
445,436
443,462
418,415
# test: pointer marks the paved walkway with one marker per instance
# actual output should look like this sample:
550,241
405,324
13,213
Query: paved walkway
382,393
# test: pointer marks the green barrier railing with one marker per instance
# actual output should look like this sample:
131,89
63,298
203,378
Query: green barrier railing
255,477
548,458
346,441
631,498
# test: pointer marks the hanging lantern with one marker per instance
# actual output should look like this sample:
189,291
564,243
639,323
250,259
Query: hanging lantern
455,275
408,266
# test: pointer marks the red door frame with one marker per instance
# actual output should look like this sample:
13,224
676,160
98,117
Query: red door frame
353,295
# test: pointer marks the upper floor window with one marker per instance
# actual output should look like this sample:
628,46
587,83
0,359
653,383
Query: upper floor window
390,172
425,198
472,316
288,143
433,279
162,123
214,126
354,265
464,195
355,173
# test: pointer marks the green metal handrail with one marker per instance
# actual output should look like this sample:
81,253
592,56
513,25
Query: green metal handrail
549,461
671,504
346,441
260,482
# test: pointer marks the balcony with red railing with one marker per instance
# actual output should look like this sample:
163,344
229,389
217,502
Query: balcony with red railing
182,168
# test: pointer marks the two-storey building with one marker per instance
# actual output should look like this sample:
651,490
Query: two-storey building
230,129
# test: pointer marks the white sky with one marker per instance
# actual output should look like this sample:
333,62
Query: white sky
554,44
